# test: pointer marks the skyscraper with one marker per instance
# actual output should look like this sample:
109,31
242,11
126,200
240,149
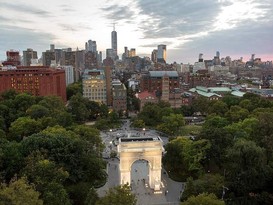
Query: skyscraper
28,55
161,53
114,42
91,46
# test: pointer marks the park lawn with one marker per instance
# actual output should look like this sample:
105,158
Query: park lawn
190,130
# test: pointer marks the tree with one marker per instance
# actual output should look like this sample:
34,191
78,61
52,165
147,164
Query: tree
204,199
210,183
172,124
201,104
19,192
47,177
102,124
23,127
91,136
69,151
9,94
184,157
22,102
231,100
246,104
248,172
120,195
150,114
220,139
243,129
73,89
236,113
263,135
12,159
186,110
92,197
37,111
53,103
77,107
218,108
138,123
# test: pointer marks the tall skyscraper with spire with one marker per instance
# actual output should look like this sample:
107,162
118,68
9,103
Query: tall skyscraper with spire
114,42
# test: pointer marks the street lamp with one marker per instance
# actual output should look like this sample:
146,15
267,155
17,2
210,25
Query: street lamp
224,192
144,131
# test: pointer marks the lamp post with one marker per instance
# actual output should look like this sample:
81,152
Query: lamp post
224,191
143,131
110,132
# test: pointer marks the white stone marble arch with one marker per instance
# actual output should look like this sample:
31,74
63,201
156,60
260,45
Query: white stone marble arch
136,148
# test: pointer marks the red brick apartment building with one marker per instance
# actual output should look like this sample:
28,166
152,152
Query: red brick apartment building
37,80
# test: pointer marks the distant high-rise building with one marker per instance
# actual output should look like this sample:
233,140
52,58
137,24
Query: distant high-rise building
200,58
132,52
114,43
154,56
126,53
28,55
218,54
161,53
69,74
216,60
90,60
13,58
99,58
110,53
252,57
52,47
91,46
70,58
47,57
58,56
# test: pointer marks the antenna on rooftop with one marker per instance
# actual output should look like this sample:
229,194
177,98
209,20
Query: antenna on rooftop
114,24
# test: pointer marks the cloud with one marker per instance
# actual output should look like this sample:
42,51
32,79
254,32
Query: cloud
66,8
67,27
171,18
26,9
116,12
242,41
4,20
23,38
74,27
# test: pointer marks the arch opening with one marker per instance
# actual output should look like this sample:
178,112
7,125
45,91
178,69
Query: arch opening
140,170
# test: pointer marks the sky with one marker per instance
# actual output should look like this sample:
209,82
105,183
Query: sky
235,28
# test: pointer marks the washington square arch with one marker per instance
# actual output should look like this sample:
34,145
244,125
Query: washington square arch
141,148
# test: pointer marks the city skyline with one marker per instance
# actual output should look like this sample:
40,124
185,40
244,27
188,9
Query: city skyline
187,28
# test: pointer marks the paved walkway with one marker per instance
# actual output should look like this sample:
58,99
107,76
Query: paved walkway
171,190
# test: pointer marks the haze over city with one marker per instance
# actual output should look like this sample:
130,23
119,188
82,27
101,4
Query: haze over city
235,28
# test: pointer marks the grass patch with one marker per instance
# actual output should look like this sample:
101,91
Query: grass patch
190,130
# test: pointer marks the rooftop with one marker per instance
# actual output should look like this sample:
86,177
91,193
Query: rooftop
162,73
139,139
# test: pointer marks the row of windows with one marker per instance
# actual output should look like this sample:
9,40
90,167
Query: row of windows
35,74
94,94
96,98
94,90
